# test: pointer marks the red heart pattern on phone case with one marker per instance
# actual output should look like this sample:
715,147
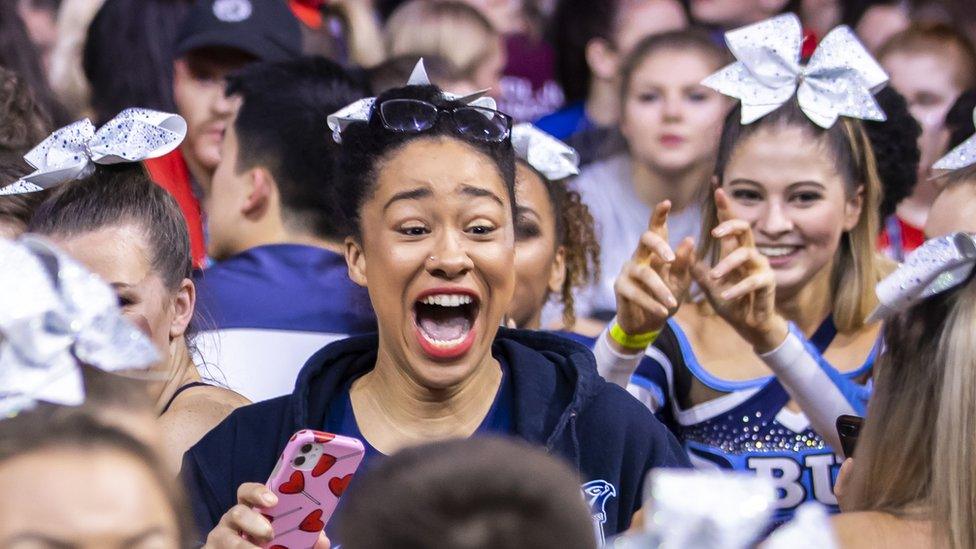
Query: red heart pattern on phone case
325,463
313,522
294,485
322,438
338,485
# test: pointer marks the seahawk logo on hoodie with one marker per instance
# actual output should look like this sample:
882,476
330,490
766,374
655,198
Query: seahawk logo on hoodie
597,493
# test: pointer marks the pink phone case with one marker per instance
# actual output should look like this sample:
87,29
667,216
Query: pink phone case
312,473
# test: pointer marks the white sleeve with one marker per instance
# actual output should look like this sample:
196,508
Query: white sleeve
614,366
822,393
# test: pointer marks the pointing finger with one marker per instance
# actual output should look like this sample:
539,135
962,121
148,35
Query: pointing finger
722,206
659,219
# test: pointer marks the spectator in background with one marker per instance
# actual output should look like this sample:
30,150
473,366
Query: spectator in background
875,21
453,31
18,54
138,35
930,65
393,72
671,124
591,41
956,201
487,493
65,74
723,15
216,38
528,88
280,289
819,16
39,17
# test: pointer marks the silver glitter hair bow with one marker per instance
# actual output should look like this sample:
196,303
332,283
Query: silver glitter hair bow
73,151
54,314
360,110
839,80
960,157
937,266
547,155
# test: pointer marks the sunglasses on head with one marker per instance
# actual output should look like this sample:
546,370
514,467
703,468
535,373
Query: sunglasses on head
416,116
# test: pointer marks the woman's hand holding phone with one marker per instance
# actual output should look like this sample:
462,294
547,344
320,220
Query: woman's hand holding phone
243,526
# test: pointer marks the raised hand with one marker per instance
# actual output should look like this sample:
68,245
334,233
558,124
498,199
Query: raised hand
741,287
652,285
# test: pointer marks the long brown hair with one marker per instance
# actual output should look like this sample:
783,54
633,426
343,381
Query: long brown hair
857,267
917,452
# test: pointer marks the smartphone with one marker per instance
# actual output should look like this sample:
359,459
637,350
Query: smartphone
311,475
848,429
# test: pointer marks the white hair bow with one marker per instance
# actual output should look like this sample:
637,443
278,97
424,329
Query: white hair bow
53,315
936,266
547,155
961,156
839,80
73,151
359,111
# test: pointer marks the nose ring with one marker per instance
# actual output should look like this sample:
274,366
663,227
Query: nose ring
431,258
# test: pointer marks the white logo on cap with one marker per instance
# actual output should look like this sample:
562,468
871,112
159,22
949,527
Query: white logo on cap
232,11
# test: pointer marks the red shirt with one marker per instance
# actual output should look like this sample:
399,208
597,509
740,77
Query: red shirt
899,238
171,173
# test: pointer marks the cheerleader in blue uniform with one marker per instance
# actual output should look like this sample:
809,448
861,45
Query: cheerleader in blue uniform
752,374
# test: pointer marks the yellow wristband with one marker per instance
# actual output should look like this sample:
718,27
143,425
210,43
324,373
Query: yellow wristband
634,342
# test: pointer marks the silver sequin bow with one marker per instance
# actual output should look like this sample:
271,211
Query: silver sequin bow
935,267
71,152
547,155
839,80
961,156
359,111
53,315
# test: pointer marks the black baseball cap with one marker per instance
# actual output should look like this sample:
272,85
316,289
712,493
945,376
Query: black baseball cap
266,29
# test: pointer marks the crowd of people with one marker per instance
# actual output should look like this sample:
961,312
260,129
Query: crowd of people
564,273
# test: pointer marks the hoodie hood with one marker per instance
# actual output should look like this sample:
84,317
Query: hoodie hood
552,380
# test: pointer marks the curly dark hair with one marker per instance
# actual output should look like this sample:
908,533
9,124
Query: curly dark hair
366,144
896,152
575,232
25,121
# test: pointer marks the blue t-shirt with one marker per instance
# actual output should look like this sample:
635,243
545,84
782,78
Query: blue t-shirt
342,419
566,121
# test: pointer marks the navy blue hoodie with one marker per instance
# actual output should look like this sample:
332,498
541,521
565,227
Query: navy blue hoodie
561,403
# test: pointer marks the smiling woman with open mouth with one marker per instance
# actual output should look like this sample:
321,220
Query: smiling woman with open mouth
426,190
